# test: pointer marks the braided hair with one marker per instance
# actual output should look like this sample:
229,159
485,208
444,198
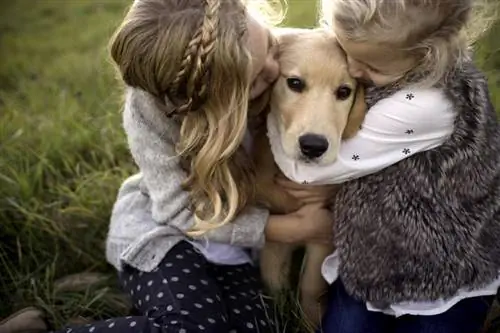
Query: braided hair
190,83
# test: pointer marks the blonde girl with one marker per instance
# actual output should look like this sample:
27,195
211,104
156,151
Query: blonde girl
181,229
417,222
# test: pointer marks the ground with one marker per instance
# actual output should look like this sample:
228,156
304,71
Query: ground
63,152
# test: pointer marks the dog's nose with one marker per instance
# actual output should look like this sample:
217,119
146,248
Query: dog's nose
313,145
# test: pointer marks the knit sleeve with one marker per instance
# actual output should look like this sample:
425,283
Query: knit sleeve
395,128
150,137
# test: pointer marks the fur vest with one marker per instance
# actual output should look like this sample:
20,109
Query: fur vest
429,225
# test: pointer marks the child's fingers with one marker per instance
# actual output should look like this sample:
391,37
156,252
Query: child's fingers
288,184
303,193
306,197
304,190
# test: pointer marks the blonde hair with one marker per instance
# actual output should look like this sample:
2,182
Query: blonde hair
437,32
192,56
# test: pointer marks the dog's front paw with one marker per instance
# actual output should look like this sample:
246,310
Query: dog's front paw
312,309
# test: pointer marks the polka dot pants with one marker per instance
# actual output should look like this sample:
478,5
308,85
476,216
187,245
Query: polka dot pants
186,293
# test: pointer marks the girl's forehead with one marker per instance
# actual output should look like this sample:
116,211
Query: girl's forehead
373,53
368,49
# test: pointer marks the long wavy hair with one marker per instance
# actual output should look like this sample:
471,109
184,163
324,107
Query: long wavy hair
192,56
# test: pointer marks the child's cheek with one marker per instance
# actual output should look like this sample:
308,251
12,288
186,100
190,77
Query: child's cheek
381,80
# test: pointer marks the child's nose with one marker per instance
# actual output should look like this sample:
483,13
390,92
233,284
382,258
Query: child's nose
271,70
355,68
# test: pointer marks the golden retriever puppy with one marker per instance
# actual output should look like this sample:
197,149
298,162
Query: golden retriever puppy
315,104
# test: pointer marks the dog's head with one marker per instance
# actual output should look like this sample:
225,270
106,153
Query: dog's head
315,101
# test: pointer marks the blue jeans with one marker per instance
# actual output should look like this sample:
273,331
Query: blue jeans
346,314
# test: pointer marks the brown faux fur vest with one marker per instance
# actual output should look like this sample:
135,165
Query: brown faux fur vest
429,225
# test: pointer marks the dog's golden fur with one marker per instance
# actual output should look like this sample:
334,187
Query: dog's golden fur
314,57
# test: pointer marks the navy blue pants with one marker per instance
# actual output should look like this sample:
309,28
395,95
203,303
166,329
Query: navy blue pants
187,294
348,315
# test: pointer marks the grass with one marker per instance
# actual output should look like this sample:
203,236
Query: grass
63,152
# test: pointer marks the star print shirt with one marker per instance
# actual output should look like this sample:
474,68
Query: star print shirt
408,122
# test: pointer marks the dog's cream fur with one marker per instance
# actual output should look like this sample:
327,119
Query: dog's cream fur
315,57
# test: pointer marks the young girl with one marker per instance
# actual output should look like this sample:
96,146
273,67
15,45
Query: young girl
417,227
179,228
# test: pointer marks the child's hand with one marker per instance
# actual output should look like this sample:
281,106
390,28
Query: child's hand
316,224
307,194
310,224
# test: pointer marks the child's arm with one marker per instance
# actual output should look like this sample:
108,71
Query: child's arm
394,129
151,140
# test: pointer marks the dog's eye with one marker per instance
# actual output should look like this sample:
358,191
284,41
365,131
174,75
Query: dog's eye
296,84
343,92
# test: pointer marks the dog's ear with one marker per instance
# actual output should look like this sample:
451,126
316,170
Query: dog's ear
287,36
286,39
357,114
282,32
